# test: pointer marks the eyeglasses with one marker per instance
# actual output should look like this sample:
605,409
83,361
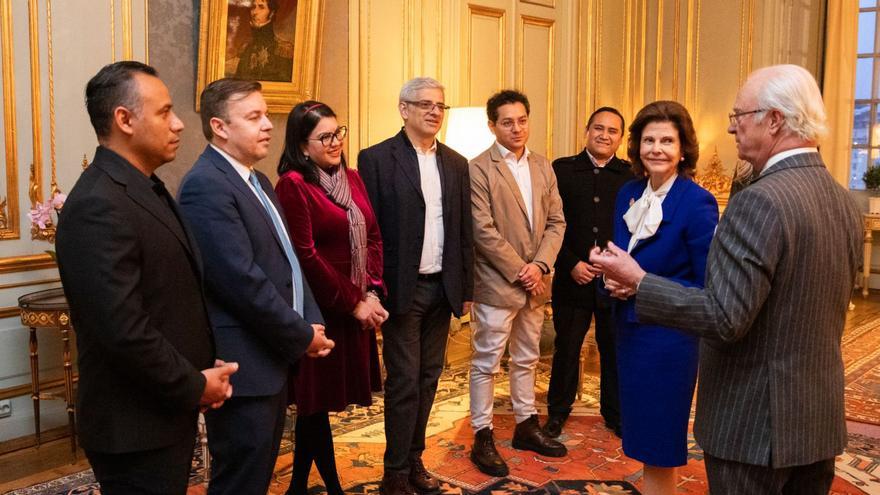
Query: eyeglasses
734,117
509,123
428,105
327,137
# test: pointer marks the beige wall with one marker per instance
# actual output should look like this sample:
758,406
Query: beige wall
568,55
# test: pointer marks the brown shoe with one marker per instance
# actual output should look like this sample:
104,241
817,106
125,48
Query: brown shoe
420,479
484,455
528,435
395,484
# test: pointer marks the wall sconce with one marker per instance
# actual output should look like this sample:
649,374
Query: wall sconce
467,131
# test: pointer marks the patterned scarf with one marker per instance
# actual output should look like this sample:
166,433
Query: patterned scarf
336,186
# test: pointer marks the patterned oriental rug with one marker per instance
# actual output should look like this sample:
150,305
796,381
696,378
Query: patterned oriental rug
595,464
861,361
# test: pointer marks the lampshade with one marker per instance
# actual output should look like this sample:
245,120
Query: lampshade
467,131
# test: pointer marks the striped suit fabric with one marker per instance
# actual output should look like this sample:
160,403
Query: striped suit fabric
779,278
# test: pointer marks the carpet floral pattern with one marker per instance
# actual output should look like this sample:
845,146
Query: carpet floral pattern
595,464
861,361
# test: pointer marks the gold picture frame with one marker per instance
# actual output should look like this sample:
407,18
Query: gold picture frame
231,34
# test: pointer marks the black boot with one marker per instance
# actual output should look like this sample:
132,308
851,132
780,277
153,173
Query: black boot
485,456
553,426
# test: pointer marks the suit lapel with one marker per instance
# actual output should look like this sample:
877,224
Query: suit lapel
538,187
138,188
408,162
244,189
445,177
507,175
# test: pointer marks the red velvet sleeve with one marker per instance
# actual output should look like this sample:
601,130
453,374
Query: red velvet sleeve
331,288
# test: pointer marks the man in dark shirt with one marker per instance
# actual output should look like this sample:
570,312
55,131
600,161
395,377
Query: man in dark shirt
588,184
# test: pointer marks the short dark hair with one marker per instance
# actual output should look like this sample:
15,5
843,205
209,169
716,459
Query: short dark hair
677,115
301,121
609,110
272,4
215,98
505,97
113,86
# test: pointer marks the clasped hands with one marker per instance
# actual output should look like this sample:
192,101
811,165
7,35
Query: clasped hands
531,277
217,386
370,312
620,272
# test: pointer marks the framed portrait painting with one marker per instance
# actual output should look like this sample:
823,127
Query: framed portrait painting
272,41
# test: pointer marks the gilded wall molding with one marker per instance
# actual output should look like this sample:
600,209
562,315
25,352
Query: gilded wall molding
658,62
112,31
692,66
14,264
147,31
10,227
127,52
676,48
36,182
550,25
30,283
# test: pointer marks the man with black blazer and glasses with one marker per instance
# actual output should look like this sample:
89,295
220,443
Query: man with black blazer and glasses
420,191
133,278
588,184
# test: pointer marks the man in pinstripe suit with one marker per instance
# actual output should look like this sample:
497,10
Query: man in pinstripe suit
770,413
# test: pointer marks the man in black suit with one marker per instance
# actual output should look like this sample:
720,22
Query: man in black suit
588,184
263,312
420,191
132,275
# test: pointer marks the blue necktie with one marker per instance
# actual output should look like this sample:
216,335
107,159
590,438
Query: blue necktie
285,242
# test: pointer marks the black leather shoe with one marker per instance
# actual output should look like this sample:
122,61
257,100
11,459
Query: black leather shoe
553,426
484,455
420,479
528,435
396,484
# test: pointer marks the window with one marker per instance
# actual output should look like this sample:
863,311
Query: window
866,115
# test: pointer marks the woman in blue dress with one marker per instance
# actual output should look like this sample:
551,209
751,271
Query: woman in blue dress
666,222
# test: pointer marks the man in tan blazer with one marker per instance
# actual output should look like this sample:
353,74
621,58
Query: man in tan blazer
518,229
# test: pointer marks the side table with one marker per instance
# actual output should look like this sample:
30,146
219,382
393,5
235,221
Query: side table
49,309
871,223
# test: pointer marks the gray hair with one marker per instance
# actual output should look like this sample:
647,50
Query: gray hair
793,91
413,86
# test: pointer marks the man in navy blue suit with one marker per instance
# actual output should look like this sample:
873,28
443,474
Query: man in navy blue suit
263,312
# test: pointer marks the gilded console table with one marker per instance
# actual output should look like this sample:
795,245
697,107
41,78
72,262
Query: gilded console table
49,309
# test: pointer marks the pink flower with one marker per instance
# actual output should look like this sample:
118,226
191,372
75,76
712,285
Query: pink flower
58,200
41,214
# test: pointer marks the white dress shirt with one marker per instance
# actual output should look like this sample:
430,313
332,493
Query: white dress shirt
522,175
245,172
429,176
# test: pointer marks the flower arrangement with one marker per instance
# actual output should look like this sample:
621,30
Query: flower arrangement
42,221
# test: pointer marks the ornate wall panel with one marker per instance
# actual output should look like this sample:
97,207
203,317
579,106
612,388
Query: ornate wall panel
48,50
487,53
535,67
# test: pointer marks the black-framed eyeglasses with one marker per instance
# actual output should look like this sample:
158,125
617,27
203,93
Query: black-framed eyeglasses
734,117
327,137
428,105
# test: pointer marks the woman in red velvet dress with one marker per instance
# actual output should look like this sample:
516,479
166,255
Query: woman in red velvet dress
337,240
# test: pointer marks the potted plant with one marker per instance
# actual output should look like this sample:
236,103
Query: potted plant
872,184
